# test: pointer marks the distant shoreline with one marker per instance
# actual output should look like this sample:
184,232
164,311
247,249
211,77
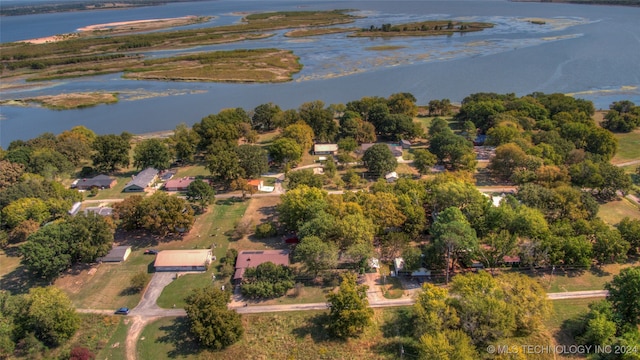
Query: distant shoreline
89,5
634,3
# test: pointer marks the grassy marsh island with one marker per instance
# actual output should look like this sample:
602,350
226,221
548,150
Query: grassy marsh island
318,32
385,48
96,55
68,101
424,28
259,65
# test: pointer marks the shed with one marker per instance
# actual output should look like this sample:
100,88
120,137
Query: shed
253,258
100,210
405,144
99,182
325,149
143,180
117,254
391,177
183,260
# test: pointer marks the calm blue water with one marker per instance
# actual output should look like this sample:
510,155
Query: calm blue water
592,51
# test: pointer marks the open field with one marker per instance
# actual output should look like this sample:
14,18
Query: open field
294,335
613,212
628,147
103,335
591,279
105,286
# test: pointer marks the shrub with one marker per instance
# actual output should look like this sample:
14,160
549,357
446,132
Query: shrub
265,230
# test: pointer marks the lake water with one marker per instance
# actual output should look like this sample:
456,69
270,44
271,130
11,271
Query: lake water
590,51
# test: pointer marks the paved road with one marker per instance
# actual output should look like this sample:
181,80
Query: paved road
577,294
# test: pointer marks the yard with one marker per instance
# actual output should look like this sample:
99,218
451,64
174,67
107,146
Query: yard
628,147
613,212
592,279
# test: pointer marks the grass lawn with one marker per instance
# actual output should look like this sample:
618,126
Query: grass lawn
98,333
292,335
268,137
216,226
105,286
393,288
593,279
613,212
115,348
116,191
561,311
192,170
304,295
628,147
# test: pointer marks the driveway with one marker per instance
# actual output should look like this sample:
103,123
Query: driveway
147,305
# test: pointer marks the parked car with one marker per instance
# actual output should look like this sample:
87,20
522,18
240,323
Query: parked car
122,311
151,252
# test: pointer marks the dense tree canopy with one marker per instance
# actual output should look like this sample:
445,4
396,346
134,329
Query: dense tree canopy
159,213
379,160
349,312
152,153
111,152
211,322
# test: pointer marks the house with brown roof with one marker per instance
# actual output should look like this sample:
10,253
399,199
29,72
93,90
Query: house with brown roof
253,258
180,184
183,260
98,182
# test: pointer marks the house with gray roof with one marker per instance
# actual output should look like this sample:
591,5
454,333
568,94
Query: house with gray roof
143,180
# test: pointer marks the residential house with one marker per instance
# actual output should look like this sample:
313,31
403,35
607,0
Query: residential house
180,184
253,258
98,182
391,177
396,150
183,260
325,149
143,180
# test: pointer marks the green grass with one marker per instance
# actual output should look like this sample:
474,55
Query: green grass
214,227
192,170
592,279
288,335
613,212
628,147
108,287
393,288
305,295
115,348
95,333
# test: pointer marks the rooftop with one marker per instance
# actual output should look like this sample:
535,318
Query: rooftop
182,257
143,178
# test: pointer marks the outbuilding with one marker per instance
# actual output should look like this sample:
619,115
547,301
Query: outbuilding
183,260
117,254
325,149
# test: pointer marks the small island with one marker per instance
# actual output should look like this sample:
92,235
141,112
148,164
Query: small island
424,28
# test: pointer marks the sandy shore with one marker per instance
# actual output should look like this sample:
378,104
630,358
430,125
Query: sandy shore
134,25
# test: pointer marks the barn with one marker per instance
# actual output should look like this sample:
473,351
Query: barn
183,260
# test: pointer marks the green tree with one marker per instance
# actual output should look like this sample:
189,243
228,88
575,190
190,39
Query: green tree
320,119
184,143
424,160
300,205
447,345
316,255
285,151
138,281
304,177
301,133
433,313
25,209
452,233
49,163
266,280
452,150
151,153
49,315
211,322
624,295
75,144
223,164
379,160
265,116
159,213
200,192
349,312
111,152
253,160
630,231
